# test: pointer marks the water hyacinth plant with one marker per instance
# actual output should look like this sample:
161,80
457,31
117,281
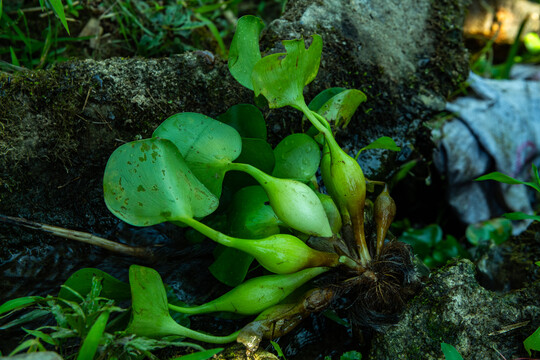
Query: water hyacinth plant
178,175
276,214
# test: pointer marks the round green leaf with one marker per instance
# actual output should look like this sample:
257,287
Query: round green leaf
81,282
244,51
207,145
231,266
281,77
247,119
297,157
251,216
255,152
423,240
258,153
498,230
147,182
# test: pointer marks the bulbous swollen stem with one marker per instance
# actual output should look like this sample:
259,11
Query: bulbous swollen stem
385,211
278,253
353,214
294,203
360,237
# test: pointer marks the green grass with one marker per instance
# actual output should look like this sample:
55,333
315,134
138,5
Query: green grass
45,32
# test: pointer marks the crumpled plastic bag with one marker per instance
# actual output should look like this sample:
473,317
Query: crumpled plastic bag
495,128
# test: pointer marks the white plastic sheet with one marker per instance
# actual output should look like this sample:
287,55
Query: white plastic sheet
495,128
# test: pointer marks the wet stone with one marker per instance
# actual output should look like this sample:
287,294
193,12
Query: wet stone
453,308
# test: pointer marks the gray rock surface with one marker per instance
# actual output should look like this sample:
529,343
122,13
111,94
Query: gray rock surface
455,309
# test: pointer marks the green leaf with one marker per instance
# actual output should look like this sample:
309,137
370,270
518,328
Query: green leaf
31,344
340,108
244,52
503,178
498,230
423,240
41,335
81,282
257,153
403,171
518,215
537,263
92,340
59,10
384,142
147,182
207,145
201,355
351,355
321,98
150,309
25,318
250,217
14,59
297,157
151,316
213,30
448,249
500,177
532,342
273,75
332,212
278,349
536,174
450,352
231,266
247,119
19,303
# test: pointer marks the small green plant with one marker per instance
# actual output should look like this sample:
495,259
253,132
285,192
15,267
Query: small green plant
169,27
503,178
23,48
482,63
430,244
88,318
178,176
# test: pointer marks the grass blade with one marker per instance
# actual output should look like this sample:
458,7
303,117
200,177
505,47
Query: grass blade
59,10
14,59
19,303
521,216
214,30
91,343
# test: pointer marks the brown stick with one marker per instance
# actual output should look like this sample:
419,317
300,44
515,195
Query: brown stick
87,238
